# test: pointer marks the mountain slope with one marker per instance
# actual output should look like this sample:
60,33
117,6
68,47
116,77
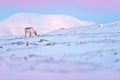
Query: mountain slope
66,54
42,23
112,27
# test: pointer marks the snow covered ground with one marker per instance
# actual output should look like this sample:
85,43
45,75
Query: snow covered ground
81,53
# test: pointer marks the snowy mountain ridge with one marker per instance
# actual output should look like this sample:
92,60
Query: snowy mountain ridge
15,24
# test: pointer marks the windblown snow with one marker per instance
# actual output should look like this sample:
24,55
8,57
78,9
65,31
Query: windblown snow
78,53
15,24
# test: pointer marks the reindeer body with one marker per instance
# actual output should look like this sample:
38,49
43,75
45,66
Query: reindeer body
30,31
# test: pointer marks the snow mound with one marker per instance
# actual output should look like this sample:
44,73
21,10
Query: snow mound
15,24
106,28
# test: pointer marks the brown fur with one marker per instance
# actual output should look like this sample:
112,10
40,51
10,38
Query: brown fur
30,31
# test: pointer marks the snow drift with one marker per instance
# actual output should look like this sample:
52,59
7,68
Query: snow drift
15,24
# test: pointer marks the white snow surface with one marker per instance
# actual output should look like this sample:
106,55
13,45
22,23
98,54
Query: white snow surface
80,53
15,24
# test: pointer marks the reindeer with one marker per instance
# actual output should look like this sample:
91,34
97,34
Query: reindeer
30,31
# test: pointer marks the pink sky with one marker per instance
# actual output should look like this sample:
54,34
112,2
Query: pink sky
97,4
93,10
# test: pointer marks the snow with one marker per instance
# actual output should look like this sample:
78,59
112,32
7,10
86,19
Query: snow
78,53
42,23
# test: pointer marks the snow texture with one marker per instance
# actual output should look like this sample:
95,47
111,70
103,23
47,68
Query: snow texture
79,53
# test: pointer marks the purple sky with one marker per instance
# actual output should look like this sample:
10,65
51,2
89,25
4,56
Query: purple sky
93,10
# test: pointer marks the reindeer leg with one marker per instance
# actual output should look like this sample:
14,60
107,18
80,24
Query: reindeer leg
30,34
25,33
35,34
